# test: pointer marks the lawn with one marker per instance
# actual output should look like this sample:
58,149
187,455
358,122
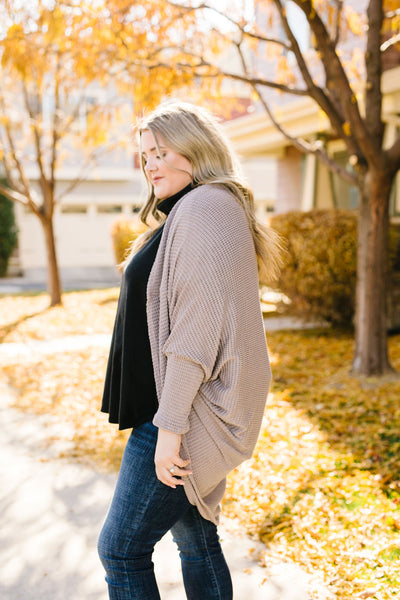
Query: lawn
323,488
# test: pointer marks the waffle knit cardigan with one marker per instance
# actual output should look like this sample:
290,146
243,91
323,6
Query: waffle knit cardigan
207,339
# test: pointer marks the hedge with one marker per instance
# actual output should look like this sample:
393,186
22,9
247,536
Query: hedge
123,232
8,233
319,274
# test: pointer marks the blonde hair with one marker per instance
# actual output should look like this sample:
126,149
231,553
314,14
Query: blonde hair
195,134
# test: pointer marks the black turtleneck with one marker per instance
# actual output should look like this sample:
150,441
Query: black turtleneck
130,395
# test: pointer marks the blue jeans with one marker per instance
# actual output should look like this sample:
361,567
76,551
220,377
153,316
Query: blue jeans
142,510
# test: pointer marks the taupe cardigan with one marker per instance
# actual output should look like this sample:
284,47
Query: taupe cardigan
207,339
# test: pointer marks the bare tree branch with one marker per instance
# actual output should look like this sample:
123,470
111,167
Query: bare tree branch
242,58
23,185
55,137
339,4
241,28
390,42
13,195
94,155
8,167
332,111
36,134
263,38
217,72
392,13
300,144
71,118
308,147
265,82
339,86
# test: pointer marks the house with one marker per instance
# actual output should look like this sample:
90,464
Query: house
82,222
91,198
301,181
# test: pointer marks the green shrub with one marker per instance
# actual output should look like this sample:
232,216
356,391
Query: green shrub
124,232
319,274
394,248
8,233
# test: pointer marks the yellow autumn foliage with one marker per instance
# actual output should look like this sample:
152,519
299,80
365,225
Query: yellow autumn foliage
123,232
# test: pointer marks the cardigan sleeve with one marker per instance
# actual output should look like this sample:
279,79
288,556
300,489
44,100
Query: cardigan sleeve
211,244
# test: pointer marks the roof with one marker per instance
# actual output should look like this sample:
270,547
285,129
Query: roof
256,134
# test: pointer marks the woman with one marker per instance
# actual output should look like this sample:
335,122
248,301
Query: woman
188,367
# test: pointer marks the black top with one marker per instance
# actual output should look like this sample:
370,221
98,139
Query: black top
130,395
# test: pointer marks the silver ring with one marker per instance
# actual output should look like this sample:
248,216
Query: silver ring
172,470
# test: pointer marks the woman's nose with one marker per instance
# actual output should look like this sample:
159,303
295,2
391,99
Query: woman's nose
150,164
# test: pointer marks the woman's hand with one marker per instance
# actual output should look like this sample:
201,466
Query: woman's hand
167,458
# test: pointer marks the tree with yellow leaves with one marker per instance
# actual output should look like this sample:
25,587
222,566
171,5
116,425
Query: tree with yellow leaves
65,89
263,34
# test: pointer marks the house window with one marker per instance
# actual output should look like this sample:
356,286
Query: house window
344,195
395,192
86,109
109,208
74,209
395,198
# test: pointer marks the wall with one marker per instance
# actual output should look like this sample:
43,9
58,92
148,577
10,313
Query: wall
261,174
289,181
82,224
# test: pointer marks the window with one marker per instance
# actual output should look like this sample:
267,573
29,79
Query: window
74,209
344,195
109,208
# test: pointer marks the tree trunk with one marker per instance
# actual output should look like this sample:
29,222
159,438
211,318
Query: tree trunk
53,275
371,354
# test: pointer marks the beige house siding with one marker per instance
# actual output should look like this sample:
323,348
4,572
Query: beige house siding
289,180
302,182
82,223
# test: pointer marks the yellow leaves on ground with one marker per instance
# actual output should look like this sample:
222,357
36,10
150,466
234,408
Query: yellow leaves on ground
65,385
29,317
69,385
323,487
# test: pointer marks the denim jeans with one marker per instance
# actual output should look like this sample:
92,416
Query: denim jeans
142,510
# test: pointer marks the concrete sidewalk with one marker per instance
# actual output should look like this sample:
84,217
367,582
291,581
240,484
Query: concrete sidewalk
15,285
51,511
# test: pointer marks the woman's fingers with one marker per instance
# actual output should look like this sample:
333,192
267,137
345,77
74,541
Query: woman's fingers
172,475
176,471
167,458
178,462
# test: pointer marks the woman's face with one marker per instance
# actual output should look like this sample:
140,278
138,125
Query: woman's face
167,171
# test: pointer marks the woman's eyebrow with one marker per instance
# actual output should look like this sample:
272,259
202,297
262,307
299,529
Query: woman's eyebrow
154,149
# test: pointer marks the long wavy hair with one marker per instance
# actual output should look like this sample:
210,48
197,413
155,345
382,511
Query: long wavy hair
195,134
